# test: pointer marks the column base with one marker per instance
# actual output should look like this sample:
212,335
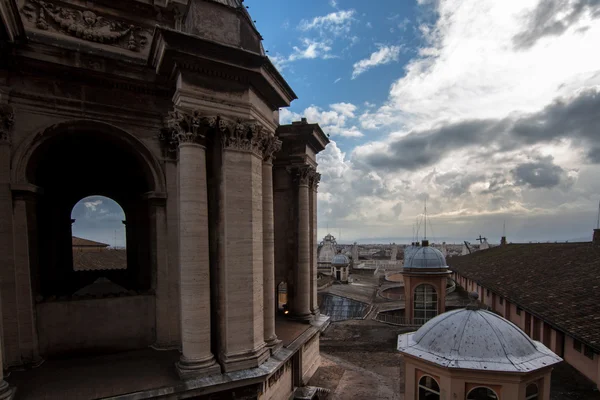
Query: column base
251,359
307,318
191,369
274,344
7,392
160,346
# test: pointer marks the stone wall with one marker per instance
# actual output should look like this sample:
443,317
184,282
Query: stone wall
279,385
109,324
311,359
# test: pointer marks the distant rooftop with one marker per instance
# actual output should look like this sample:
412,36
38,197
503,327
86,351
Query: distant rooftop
557,282
80,242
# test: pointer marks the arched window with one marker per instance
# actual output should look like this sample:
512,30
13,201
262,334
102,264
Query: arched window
98,235
428,388
531,392
425,303
482,393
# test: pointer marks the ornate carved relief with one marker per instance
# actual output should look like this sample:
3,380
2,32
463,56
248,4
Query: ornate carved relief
314,181
184,127
272,145
85,25
304,174
7,119
243,136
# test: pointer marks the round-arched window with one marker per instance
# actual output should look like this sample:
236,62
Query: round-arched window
425,303
482,393
428,388
532,392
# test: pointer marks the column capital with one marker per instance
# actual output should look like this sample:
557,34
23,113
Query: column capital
185,127
248,136
304,175
7,118
314,181
272,145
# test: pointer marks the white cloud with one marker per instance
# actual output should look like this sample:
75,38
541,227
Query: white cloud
337,80
385,55
336,23
470,69
92,205
333,3
336,121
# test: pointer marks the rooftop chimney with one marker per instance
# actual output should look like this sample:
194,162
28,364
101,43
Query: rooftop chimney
503,241
596,237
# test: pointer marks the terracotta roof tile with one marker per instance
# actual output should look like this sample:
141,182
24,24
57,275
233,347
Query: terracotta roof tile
77,241
99,260
558,282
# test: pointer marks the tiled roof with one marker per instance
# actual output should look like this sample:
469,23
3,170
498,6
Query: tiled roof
558,282
77,241
99,260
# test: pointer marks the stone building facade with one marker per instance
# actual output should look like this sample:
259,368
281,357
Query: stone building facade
171,108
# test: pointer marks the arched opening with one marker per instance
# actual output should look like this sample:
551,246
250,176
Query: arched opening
532,392
429,389
482,393
425,303
282,298
108,305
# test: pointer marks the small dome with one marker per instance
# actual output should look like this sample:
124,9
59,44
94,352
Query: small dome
340,259
476,339
425,257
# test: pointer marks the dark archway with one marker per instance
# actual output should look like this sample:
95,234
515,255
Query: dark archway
69,162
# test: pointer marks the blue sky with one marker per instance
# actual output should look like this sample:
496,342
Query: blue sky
488,109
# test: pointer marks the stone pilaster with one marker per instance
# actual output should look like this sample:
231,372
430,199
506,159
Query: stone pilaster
241,300
186,130
302,296
272,146
314,184
6,224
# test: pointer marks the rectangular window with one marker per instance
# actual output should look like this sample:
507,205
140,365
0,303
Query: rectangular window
519,310
588,352
501,301
577,345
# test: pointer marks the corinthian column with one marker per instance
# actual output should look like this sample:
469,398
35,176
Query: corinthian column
303,277
314,184
194,281
272,146
241,295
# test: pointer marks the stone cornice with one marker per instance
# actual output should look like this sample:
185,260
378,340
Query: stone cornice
7,118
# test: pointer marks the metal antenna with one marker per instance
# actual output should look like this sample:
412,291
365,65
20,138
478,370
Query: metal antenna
504,228
425,237
598,222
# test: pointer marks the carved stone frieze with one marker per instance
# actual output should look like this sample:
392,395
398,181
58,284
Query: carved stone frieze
272,145
85,24
7,119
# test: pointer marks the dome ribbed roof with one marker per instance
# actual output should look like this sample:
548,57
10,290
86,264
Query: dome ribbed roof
340,259
476,339
425,257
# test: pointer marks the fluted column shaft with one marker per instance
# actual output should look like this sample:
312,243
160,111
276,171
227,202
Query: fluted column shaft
268,255
302,290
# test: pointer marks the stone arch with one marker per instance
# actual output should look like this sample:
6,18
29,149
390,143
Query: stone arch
429,388
26,151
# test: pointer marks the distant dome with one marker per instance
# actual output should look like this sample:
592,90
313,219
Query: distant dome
425,257
328,249
340,259
476,339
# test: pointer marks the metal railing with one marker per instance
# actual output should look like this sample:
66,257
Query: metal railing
400,320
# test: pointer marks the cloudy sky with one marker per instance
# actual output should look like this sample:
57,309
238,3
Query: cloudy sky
100,219
488,109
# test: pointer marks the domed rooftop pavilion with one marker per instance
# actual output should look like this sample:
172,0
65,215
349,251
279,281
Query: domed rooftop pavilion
340,260
472,352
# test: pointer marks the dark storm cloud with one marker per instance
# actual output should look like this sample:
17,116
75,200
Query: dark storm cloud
578,118
542,173
553,18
